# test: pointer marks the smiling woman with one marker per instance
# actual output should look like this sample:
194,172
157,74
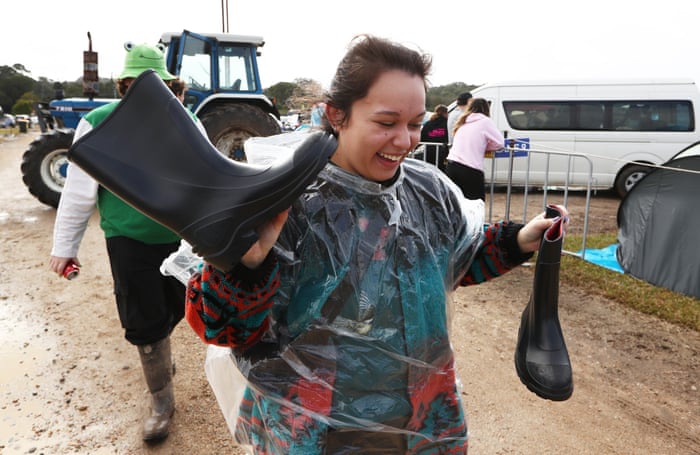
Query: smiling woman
345,321
376,139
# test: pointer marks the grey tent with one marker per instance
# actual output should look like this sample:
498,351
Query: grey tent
658,225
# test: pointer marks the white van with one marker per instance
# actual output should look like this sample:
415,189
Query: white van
590,128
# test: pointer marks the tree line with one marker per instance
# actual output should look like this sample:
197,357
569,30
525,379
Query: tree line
19,92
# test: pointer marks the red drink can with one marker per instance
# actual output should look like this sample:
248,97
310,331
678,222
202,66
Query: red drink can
71,271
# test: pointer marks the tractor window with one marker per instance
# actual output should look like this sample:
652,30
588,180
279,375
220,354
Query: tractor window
196,64
236,68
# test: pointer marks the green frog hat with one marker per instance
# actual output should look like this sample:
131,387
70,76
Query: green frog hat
144,57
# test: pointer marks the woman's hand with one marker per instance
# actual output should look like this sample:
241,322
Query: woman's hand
531,234
268,234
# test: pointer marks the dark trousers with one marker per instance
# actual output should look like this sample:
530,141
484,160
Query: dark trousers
150,305
469,180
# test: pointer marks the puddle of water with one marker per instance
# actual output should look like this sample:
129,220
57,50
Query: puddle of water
5,217
22,213
24,358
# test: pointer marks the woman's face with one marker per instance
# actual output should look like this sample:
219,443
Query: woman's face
383,127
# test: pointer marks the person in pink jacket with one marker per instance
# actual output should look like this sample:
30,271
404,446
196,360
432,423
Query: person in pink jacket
474,135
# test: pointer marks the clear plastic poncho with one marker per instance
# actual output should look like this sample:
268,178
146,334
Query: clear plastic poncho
357,358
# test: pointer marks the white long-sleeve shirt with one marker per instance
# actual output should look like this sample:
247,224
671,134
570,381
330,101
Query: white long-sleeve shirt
451,120
76,206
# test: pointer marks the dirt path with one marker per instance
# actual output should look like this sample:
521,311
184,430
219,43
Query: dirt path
70,383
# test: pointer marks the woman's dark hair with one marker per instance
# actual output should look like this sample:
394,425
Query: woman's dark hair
368,58
479,106
123,85
440,110
177,86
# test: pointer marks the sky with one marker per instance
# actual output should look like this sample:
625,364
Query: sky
471,42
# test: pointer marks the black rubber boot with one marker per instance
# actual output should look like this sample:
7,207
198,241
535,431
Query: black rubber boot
156,361
150,153
541,358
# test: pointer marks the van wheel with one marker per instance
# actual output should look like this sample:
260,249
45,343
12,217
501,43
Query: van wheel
628,177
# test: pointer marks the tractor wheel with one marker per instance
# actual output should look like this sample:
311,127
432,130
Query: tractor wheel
229,126
44,165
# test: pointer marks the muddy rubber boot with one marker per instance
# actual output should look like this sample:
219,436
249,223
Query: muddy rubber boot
150,153
541,358
156,361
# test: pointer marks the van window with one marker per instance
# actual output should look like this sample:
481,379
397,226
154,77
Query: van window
604,115
591,116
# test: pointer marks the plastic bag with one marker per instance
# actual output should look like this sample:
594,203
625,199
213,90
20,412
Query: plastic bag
228,384
265,150
181,264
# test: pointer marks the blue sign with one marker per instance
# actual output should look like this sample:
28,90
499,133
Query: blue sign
519,146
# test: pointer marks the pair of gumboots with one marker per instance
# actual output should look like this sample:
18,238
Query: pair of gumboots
227,200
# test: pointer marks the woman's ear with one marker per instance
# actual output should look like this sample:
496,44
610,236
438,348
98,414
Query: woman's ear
334,116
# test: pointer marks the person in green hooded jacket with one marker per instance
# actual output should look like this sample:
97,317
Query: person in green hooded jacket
149,304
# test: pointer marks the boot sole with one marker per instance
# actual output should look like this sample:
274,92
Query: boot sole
158,437
532,384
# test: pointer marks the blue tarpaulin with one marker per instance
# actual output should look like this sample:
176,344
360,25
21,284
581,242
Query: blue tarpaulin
604,257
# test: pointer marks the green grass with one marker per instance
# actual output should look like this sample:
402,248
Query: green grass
628,291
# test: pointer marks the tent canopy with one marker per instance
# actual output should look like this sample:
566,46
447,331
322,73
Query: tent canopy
658,223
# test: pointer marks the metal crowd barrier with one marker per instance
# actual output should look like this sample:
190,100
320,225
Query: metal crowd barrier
515,151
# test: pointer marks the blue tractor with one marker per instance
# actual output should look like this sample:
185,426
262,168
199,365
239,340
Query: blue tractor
224,91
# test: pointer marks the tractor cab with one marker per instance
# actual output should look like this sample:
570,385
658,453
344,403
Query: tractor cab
223,86
215,66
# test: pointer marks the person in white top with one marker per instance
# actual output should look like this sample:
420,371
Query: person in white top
474,135
149,304
462,102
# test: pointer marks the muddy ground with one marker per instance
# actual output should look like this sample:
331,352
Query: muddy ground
70,383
